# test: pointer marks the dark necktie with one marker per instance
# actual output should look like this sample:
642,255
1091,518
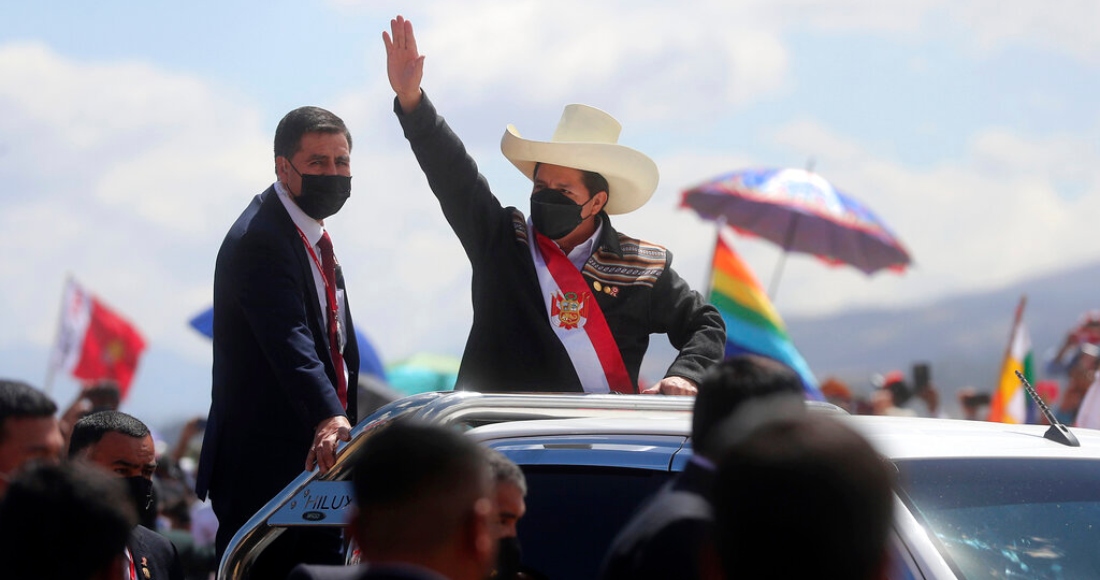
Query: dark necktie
328,268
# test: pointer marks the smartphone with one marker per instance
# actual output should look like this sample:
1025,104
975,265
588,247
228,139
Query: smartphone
922,376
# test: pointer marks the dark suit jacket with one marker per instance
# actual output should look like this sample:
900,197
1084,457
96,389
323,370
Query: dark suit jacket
665,538
155,553
308,572
273,375
512,345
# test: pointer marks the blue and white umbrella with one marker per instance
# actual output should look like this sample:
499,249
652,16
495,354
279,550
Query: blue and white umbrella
800,211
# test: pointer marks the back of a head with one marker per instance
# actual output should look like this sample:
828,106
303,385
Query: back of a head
415,488
809,482
727,386
91,428
505,470
63,522
18,399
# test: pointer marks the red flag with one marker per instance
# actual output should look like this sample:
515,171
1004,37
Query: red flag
94,342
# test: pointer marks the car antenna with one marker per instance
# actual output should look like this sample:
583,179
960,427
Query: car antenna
1057,432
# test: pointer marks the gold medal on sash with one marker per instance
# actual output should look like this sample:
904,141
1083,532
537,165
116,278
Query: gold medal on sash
569,310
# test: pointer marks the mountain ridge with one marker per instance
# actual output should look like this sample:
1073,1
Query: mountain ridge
962,336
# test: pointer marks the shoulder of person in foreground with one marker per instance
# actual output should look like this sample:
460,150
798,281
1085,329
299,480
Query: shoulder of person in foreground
152,551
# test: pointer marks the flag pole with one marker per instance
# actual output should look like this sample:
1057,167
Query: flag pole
997,405
51,367
1015,325
720,223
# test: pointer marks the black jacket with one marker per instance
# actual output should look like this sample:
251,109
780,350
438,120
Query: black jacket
511,346
155,557
667,535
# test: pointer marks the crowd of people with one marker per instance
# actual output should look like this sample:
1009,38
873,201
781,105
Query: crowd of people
84,479
1069,387
431,503
78,447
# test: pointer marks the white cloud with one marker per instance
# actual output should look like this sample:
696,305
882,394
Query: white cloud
1068,26
632,58
656,59
1064,158
127,177
162,147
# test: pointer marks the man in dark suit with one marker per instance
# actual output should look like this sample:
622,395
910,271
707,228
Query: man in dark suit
123,445
670,534
285,356
423,508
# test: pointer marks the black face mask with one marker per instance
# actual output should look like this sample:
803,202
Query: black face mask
509,558
144,499
554,214
322,195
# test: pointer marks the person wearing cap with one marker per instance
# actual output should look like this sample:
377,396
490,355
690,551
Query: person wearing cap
562,301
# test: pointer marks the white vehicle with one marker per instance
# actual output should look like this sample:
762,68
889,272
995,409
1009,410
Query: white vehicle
975,499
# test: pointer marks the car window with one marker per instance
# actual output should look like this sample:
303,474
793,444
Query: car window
1009,517
574,512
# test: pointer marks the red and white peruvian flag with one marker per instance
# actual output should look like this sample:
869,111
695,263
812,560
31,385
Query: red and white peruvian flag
94,342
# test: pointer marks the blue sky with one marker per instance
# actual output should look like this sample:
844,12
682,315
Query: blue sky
133,133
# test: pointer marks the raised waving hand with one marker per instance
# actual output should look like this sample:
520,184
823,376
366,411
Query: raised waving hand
404,64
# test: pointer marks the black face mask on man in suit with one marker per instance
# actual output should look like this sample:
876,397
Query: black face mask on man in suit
144,498
322,195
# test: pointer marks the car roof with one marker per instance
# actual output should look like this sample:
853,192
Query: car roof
894,437
674,421
914,437
587,426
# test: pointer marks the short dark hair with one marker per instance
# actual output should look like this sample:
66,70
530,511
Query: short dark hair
808,481
76,509
727,386
593,182
91,428
288,134
414,484
20,400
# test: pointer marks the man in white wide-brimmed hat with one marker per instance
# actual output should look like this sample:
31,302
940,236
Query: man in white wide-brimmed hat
562,302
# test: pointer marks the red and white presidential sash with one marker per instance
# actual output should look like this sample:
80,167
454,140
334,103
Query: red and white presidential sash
578,321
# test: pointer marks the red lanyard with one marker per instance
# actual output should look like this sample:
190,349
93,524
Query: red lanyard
334,343
330,289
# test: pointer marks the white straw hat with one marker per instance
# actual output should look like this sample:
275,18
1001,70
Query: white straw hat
587,139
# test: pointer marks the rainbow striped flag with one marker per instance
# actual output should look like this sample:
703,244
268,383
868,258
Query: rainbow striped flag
752,323
1010,402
